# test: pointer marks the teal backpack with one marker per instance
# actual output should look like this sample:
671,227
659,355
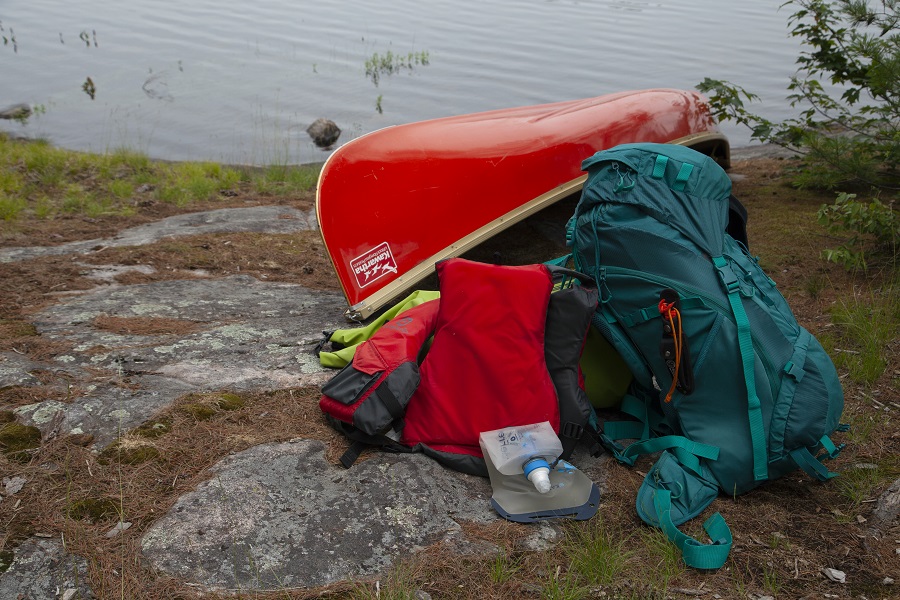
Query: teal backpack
727,385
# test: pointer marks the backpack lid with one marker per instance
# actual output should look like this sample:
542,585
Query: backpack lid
679,186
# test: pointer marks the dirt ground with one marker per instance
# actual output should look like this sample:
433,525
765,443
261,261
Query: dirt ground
786,531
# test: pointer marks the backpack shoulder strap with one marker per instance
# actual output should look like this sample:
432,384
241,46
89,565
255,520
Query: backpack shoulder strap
569,312
745,343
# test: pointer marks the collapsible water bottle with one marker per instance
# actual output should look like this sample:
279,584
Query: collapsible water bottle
528,450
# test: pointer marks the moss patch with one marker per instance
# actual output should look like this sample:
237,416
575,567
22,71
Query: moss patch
200,412
11,328
129,451
228,401
16,439
6,559
93,509
7,416
153,429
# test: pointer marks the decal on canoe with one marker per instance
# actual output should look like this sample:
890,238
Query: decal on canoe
373,265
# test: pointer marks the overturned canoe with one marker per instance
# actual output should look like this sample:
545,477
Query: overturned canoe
392,203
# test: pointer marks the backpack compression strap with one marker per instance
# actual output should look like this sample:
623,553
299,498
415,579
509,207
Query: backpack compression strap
694,553
745,342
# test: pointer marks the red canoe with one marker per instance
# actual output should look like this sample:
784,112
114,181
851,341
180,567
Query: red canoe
392,203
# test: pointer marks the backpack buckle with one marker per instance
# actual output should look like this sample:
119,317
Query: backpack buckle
726,274
571,430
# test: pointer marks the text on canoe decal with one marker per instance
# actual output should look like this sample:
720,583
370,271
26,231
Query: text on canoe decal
374,264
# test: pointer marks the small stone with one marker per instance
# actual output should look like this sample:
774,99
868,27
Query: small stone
13,485
835,575
119,528
69,594
887,581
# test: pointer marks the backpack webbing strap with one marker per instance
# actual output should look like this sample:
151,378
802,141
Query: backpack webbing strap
652,312
831,450
624,430
694,553
635,407
349,457
392,404
684,173
659,167
688,452
809,463
630,430
627,430
813,464
745,343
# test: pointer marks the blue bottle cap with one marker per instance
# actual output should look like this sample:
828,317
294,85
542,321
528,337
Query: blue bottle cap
534,463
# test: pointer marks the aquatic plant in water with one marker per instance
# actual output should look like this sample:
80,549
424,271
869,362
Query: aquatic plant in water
390,63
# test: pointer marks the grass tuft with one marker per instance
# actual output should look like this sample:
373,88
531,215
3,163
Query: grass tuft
597,554
867,326
40,181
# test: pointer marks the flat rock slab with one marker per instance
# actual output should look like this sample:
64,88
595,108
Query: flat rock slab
240,334
268,219
15,370
107,411
43,569
275,516
279,516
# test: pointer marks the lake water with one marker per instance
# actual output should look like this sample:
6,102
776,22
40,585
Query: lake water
239,82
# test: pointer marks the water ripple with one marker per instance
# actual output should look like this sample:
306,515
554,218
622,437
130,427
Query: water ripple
238,81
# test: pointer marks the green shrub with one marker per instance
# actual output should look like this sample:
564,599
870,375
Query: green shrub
850,139
868,226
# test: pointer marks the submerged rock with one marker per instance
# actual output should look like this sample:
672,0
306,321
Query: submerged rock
324,132
16,111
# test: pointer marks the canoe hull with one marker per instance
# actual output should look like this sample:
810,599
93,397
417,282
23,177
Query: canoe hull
392,203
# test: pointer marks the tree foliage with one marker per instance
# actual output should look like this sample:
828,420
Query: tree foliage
848,125
845,88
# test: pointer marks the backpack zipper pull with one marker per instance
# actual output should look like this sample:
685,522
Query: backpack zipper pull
621,185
